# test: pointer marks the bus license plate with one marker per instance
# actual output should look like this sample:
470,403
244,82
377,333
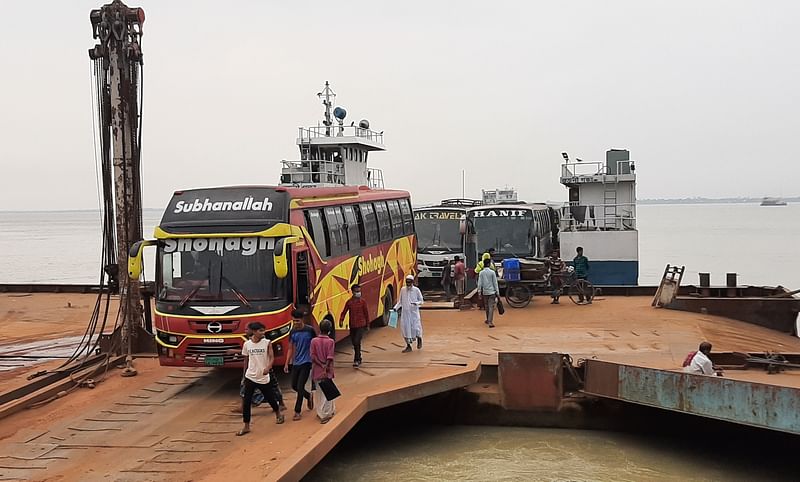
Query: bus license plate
214,361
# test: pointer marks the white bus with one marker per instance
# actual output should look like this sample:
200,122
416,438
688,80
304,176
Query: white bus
521,230
439,237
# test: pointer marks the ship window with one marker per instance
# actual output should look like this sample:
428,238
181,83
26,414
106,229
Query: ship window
317,231
351,227
384,225
370,224
396,218
408,217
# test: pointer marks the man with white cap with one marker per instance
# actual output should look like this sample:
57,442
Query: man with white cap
408,307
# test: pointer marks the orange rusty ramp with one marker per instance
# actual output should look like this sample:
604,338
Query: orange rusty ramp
391,389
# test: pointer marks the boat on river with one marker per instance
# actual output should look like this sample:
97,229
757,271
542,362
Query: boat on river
773,201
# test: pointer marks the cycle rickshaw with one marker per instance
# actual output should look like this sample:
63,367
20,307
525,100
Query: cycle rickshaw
522,278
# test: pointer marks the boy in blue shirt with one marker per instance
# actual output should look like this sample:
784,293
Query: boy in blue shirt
299,356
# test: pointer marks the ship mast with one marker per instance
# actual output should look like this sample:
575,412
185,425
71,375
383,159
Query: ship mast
328,96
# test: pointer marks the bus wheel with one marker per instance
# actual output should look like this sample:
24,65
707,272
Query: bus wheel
388,304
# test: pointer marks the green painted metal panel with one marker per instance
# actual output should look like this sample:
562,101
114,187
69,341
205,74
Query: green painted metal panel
760,405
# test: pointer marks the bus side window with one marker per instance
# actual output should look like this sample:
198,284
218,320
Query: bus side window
396,218
334,220
301,265
362,228
309,226
354,229
326,232
318,233
342,229
408,218
384,225
370,224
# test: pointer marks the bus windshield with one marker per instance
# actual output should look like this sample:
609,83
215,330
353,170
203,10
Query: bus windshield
438,231
214,269
509,236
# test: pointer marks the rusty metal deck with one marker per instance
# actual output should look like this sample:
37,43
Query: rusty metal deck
193,428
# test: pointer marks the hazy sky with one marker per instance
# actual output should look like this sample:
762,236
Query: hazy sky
703,93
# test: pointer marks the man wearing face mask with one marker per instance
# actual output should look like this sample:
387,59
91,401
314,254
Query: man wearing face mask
359,321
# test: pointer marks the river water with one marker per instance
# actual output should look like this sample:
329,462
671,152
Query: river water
756,242
478,453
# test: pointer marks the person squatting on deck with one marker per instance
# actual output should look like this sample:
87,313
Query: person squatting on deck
299,356
322,347
489,289
699,362
258,362
359,321
408,308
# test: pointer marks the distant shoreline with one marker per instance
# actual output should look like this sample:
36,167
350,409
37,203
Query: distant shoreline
703,200
692,200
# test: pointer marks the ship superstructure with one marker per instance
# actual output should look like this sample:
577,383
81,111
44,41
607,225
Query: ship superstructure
600,216
333,153
499,196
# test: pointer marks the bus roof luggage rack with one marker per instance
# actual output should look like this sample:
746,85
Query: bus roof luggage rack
462,202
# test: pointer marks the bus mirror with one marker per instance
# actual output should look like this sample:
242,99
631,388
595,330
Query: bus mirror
280,259
135,258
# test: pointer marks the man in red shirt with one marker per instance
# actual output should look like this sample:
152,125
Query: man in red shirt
460,279
359,321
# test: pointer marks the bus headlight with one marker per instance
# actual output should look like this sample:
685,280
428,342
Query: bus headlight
279,332
169,339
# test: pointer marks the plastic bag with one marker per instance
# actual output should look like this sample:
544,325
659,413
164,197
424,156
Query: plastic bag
393,319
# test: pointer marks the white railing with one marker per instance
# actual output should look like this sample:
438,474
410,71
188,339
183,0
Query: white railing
306,134
374,178
606,217
318,172
313,172
592,169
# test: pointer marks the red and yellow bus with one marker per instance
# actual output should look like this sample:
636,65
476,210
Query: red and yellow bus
229,256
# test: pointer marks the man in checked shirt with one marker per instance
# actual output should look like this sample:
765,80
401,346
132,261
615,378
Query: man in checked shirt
359,321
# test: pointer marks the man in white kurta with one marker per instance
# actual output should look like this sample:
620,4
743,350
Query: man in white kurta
408,306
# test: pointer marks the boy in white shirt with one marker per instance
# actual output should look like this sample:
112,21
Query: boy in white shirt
257,364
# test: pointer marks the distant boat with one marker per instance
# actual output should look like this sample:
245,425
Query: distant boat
773,201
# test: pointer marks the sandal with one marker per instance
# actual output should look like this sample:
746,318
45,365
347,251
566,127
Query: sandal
242,432
297,417
280,419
